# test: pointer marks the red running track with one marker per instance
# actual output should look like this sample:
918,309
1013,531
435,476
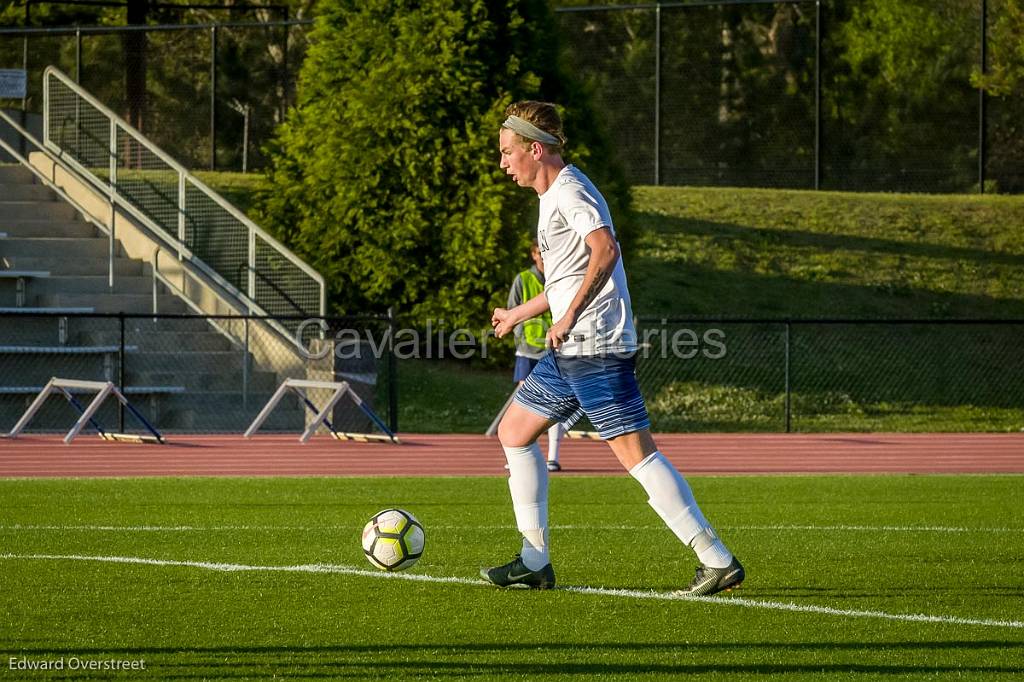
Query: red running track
471,455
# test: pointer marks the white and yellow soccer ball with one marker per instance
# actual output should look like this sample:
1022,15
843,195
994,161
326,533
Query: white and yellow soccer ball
393,540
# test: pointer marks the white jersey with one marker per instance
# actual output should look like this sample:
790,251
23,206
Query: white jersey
570,209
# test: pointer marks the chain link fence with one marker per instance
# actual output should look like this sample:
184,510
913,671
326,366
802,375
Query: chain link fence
733,93
794,94
193,374
198,374
211,95
825,376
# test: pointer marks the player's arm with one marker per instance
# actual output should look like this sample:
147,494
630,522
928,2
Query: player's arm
504,320
604,254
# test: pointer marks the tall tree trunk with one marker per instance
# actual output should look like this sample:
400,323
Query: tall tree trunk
134,44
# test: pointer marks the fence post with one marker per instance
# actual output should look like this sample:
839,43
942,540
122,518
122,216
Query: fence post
817,94
245,367
788,402
982,104
392,375
213,97
657,94
285,77
112,197
120,372
23,116
78,100
182,208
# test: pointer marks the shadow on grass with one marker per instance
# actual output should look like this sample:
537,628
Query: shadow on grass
534,660
730,232
674,288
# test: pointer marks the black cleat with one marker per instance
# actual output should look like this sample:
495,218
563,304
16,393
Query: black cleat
515,573
554,466
710,581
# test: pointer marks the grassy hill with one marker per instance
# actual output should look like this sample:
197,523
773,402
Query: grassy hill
770,253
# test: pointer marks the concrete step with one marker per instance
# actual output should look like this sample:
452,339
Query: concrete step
26,192
66,249
182,360
263,383
156,339
31,330
136,326
113,303
36,370
61,264
36,228
92,284
96,286
26,331
50,210
16,175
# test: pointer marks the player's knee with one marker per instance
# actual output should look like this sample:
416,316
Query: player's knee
514,431
510,436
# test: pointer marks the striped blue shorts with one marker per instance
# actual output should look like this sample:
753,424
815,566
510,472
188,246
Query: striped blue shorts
603,387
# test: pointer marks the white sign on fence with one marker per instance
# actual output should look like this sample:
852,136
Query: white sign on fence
12,83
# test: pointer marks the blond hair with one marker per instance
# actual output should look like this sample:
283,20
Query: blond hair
544,116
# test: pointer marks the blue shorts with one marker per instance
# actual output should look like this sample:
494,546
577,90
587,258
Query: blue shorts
523,368
603,387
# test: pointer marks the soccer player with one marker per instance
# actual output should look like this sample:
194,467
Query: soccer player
530,335
591,369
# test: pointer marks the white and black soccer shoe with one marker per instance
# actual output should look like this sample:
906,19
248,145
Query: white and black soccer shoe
710,581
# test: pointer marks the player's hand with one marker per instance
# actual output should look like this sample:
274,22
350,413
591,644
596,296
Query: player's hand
502,321
559,332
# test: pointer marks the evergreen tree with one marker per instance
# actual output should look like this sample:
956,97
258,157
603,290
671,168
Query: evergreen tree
386,173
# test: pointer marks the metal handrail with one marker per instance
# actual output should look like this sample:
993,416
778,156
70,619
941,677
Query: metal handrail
110,189
163,156
170,201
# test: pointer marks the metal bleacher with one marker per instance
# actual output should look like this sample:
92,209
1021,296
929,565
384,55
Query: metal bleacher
82,226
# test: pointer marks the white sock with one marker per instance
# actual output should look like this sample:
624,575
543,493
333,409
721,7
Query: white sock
554,438
670,496
528,484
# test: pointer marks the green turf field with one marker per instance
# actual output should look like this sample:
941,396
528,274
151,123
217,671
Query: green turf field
873,577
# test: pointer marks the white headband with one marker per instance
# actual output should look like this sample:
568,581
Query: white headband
530,131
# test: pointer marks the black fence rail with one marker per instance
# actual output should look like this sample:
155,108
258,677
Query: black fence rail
195,374
833,375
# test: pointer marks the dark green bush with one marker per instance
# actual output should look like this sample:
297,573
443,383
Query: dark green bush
386,174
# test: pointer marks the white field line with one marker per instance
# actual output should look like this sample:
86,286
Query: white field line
258,528
598,591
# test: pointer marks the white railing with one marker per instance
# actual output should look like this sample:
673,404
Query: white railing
199,225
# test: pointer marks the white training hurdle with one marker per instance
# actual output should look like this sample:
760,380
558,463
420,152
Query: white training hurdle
339,388
103,390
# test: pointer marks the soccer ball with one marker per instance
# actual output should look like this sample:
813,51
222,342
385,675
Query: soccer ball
393,540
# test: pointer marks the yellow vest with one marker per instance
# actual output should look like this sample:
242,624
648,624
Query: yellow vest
534,330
